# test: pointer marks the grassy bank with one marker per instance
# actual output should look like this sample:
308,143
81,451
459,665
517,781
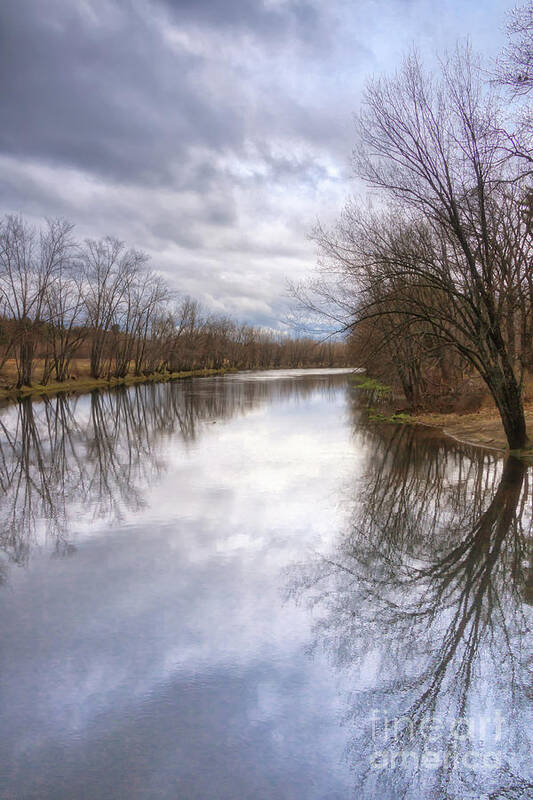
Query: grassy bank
377,393
87,384
371,386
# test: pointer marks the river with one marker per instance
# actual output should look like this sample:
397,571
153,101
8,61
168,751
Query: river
238,588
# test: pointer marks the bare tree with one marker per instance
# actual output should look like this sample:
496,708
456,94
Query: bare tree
442,260
516,62
110,271
29,262
66,316
151,299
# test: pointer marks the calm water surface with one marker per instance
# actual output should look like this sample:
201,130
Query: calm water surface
236,588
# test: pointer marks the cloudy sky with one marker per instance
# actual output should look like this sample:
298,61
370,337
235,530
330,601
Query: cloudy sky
210,133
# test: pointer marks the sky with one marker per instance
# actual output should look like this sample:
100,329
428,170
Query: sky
212,134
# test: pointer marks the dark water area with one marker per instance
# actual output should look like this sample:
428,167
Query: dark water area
235,588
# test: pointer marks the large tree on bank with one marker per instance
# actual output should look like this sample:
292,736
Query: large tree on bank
447,256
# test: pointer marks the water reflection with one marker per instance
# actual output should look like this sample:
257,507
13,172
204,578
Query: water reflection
96,455
161,660
426,602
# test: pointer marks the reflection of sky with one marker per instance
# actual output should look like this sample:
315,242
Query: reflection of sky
159,660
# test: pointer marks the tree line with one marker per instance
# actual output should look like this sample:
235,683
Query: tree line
431,275
99,300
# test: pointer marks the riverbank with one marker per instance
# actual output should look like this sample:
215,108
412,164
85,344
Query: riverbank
81,382
86,384
481,428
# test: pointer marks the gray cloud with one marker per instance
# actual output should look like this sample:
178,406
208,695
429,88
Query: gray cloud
101,92
211,133
295,18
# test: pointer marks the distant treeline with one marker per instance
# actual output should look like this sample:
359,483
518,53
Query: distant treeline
62,300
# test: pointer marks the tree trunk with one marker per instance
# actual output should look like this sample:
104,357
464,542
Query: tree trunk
26,353
508,398
96,356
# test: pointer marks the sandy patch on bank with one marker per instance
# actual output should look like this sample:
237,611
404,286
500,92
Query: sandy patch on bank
482,427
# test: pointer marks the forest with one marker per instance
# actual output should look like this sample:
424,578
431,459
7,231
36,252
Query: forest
97,310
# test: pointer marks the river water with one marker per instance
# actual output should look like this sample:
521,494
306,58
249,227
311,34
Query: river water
239,588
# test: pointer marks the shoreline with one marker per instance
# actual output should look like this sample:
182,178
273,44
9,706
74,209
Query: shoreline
85,385
481,428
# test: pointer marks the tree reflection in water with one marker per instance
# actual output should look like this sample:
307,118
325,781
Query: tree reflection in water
426,605
94,456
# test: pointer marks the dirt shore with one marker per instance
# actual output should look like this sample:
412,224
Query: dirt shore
482,428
